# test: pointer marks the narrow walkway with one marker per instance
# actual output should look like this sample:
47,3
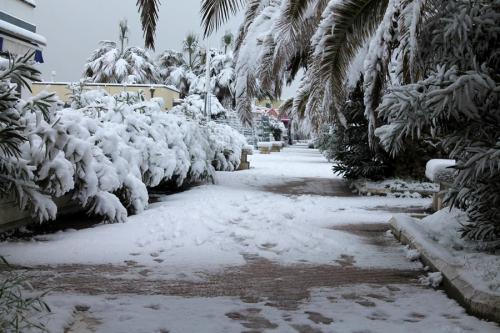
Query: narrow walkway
283,247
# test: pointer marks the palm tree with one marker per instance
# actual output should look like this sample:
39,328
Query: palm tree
110,64
322,36
227,40
123,36
190,45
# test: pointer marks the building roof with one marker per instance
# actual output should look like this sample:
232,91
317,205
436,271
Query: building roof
12,30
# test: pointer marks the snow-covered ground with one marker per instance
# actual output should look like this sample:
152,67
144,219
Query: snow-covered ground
212,230
214,225
361,308
479,268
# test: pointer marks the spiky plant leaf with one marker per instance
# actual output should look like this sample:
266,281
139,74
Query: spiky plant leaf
148,10
352,23
216,12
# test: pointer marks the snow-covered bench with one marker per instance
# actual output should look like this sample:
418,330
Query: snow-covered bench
440,171
264,147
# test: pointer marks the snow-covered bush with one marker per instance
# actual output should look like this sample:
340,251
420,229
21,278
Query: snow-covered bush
106,160
19,308
277,128
457,99
193,106
326,142
18,129
106,153
225,142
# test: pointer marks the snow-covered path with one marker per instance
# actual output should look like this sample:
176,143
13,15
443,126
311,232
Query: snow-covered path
283,247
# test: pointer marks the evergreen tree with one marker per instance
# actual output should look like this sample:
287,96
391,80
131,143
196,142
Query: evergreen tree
458,101
353,156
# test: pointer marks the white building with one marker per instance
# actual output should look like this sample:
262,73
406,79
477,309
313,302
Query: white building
17,31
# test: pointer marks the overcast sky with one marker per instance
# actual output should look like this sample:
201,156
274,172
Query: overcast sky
73,29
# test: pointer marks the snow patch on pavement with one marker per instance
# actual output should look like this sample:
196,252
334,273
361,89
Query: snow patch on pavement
360,308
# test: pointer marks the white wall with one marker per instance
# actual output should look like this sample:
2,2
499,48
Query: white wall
20,9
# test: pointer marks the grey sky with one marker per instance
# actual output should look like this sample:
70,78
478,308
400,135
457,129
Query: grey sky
73,29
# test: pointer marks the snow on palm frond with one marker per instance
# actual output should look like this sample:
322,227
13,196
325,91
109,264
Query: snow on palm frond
247,64
174,71
293,32
413,15
223,77
108,65
391,56
346,26
254,8
377,58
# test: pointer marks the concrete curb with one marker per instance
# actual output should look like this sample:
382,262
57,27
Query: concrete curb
477,302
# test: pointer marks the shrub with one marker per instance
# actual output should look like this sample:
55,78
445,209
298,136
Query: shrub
457,100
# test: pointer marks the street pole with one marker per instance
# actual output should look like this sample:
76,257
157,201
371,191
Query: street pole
208,103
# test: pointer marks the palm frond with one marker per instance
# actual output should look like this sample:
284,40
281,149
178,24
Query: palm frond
352,23
413,14
294,10
254,7
285,109
148,10
376,63
216,12
292,37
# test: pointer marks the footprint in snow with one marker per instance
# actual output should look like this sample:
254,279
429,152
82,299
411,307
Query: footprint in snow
289,216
